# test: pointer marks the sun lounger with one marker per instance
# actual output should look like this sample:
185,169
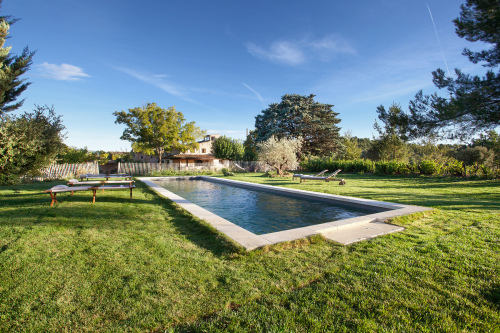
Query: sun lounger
88,176
111,187
326,179
100,183
64,188
298,175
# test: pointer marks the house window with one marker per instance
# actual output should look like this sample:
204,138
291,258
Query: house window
203,150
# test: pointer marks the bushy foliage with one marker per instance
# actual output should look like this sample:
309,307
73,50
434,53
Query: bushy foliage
451,167
351,147
11,68
74,155
29,142
302,117
227,148
429,167
280,154
250,146
476,157
152,129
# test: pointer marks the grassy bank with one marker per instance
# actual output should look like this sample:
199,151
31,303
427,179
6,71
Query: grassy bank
149,266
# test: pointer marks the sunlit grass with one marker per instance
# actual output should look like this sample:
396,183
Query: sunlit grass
149,266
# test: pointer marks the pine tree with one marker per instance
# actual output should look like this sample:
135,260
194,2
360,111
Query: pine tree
11,68
473,104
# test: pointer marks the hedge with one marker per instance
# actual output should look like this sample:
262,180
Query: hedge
424,167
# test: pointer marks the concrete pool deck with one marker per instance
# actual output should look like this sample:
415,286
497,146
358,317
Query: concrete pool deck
345,231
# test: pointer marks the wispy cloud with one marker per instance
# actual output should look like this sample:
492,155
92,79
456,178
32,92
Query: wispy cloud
159,81
63,72
153,79
282,52
296,52
259,97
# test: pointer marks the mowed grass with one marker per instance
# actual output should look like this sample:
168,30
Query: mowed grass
117,266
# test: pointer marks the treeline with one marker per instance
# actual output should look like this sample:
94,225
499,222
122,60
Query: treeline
382,156
72,155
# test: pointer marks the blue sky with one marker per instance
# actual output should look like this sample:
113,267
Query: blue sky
222,62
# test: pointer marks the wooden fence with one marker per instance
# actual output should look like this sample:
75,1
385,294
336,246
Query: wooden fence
58,171
148,168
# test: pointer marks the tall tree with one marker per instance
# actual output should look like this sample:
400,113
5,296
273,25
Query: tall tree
473,104
351,151
299,116
391,143
152,129
11,68
227,148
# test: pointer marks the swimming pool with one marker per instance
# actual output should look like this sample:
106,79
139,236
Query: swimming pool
260,211
255,215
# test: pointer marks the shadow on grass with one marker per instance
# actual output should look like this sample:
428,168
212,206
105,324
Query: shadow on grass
492,294
197,231
112,210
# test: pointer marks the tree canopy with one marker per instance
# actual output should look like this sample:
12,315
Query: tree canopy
301,117
227,148
152,129
280,154
391,142
11,68
473,104
29,142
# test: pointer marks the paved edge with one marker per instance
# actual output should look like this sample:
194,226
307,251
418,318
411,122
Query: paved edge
251,241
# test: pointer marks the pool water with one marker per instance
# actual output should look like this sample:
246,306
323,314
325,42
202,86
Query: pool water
258,211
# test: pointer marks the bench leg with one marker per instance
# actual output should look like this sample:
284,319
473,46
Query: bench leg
53,197
93,195
131,194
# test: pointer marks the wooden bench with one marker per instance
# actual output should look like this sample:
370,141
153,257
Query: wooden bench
111,187
64,188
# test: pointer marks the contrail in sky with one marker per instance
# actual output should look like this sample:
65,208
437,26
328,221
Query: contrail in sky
435,30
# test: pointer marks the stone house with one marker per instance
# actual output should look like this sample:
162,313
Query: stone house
200,157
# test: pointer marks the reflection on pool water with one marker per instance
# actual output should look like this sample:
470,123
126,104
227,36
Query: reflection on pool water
258,211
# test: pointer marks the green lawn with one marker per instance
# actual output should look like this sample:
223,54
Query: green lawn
117,266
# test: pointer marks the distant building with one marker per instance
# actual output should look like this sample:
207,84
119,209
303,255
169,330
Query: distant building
201,155
141,157
205,146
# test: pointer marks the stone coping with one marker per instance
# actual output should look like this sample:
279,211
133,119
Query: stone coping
251,241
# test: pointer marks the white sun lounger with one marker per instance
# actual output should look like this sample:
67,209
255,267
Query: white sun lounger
326,179
298,175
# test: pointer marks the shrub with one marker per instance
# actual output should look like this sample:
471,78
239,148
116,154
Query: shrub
454,168
428,167
29,143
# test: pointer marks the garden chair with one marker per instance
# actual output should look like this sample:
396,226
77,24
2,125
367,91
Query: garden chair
326,179
298,175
